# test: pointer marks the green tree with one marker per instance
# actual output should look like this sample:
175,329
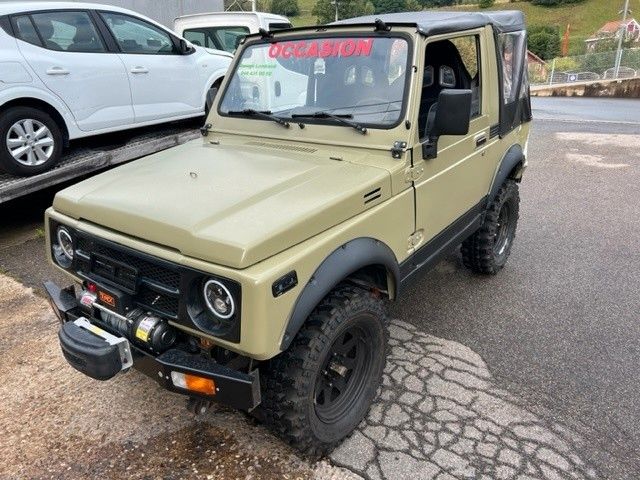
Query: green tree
389,6
325,12
285,7
544,41
486,3
553,3
413,6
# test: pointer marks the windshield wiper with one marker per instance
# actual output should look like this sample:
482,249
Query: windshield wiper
260,113
338,118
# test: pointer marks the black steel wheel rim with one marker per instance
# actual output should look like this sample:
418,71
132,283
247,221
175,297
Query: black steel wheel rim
344,373
503,231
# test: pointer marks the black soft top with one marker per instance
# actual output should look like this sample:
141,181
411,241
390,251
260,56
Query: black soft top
436,22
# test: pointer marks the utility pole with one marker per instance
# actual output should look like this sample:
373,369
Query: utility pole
335,2
623,32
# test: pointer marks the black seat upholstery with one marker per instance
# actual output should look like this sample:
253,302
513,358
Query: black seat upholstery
441,54
85,39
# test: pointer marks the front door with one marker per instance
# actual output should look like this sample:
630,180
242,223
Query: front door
68,54
164,83
454,182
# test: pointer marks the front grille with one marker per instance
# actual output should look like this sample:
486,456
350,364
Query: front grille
155,284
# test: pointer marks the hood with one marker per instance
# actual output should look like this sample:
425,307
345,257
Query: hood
232,205
213,51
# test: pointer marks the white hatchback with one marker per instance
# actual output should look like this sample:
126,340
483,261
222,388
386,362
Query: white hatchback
71,70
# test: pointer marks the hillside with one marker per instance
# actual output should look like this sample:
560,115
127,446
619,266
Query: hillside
585,18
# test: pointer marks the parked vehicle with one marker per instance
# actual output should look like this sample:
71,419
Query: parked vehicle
225,30
254,268
69,70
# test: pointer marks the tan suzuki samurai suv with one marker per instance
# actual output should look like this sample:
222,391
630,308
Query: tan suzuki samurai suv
253,267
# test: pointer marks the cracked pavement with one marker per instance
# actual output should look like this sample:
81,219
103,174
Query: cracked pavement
440,415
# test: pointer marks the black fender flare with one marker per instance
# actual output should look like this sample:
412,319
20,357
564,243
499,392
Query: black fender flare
511,159
342,262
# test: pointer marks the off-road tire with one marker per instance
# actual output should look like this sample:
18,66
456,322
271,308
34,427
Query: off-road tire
15,114
290,380
487,251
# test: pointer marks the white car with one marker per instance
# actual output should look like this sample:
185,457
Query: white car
224,30
71,70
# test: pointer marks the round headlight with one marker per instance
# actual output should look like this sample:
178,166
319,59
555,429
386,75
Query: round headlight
218,299
65,242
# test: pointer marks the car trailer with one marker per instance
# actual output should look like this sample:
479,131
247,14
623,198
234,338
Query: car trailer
83,160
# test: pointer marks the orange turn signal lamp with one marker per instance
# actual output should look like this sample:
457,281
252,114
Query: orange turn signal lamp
194,383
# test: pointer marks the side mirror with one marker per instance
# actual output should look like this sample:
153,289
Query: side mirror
452,116
185,48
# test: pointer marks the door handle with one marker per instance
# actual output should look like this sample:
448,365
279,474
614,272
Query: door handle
139,70
480,140
57,71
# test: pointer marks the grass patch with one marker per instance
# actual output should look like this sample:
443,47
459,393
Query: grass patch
40,232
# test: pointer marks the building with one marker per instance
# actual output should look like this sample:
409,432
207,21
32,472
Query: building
164,11
612,29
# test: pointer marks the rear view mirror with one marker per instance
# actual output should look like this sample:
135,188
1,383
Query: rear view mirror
185,48
451,115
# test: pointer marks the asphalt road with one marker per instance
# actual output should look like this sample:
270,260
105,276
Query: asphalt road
532,373
560,325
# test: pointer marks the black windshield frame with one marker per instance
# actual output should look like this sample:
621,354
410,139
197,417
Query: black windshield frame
329,34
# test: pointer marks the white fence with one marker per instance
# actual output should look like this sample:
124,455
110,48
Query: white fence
592,66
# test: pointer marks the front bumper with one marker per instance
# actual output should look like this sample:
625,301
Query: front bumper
92,352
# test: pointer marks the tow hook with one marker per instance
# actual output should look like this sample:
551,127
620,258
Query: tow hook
198,406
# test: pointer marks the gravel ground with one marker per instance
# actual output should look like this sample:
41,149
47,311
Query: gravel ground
56,423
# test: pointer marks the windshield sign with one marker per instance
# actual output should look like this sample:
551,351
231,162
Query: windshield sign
360,80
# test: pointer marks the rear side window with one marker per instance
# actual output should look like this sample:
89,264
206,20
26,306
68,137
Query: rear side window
513,52
25,30
68,31
221,38
134,35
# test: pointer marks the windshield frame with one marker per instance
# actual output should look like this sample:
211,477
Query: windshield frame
325,33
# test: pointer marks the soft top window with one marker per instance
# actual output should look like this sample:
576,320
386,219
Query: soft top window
359,78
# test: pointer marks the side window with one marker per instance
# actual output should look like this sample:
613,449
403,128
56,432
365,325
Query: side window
196,37
68,31
222,38
469,49
25,30
512,53
134,35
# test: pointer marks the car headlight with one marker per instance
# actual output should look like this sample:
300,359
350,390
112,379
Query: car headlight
218,299
65,241
63,246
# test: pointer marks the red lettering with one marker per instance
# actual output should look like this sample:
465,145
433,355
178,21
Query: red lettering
274,50
347,48
336,48
286,50
363,47
325,50
298,50
312,51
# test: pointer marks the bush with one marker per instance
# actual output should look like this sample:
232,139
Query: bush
288,8
544,42
389,6
486,3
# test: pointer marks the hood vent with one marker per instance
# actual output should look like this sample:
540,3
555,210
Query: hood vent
372,195
278,146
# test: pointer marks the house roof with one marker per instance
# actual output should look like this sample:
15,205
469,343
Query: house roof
614,25
535,57
437,22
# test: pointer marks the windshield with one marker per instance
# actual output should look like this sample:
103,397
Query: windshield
360,78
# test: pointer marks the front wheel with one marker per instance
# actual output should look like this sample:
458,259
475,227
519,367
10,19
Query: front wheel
319,390
487,250
30,141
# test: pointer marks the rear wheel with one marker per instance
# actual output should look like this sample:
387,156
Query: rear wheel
30,141
487,250
318,391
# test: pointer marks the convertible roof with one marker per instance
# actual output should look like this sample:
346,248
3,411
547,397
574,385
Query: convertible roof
436,22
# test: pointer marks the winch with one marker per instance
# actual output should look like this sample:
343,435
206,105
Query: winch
138,326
